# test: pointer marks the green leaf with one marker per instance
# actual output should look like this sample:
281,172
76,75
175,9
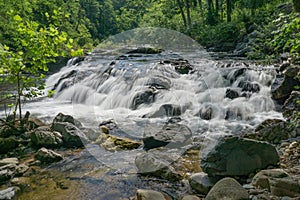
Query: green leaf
17,18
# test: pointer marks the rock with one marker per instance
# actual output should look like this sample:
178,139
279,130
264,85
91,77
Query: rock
6,131
201,183
21,169
234,74
167,110
208,112
144,97
22,182
227,188
190,197
234,156
159,82
151,195
71,135
6,161
114,143
48,156
170,135
8,144
60,117
46,139
231,94
292,72
65,81
157,163
33,123
267,123
9,193
274,133
7,172
146,50
248,86
278,182
291,105
282,88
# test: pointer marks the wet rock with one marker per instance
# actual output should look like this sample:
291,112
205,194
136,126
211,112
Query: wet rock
231,94
291,105
274,133
201,183
8,144
248,86
282,88
7,172
157,163
71,135
234,156
227,188
48,156
207,112
278,182
181,66
167,110
114,143
144,97
9,193
237,112
146,50
151,195
46,139
170,135
234,74
267,123
60,117
190,197
65,81
159,82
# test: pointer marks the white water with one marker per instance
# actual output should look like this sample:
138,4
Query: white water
94,96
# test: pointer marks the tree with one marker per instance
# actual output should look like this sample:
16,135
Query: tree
23,64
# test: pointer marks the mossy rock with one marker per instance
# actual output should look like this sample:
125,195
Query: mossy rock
8,144
113,143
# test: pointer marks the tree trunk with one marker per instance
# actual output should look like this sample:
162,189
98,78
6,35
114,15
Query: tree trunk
296,4
200,4
188,13
182,12
229,7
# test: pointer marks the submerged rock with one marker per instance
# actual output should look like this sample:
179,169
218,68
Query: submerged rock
234,156
227,188
48,156
170,135
144,97
71,135
46,139
159,82
278,182
167,110
151,195
248,86
157,163
201,183
231,93
181,66
146,50
114,143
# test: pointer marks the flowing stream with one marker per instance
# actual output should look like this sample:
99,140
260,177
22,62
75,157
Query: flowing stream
141,91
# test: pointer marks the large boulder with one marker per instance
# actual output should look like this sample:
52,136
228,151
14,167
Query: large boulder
278,182
7,172
71,135
227,188
151,195
47,156
291,105
157,163
46,138
234,156
60,117
170,135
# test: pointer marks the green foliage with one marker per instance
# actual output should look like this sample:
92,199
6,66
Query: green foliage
34,46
